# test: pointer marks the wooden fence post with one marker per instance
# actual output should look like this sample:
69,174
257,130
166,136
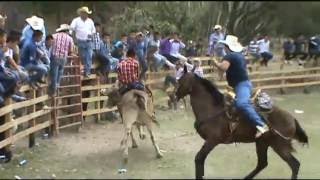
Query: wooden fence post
32,122
8,133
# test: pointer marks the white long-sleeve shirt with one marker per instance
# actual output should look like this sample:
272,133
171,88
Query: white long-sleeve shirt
264,46
82,28
175,47
180,71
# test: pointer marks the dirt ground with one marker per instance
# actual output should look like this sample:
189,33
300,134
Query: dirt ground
94,152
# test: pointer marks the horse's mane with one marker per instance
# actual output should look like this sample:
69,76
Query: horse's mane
212,89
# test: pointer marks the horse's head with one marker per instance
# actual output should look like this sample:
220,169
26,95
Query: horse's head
184,86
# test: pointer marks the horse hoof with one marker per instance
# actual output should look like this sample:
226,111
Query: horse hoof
142,136
122,171
159,156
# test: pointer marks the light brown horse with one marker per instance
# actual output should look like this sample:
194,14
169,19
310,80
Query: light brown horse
212,125
134,113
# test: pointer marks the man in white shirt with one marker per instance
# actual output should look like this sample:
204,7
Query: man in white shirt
264,50
176,45
84,28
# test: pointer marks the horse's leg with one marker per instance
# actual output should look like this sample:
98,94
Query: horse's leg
262,153
201,157
134,142
154,142
185,103
129,117
285,153
142,135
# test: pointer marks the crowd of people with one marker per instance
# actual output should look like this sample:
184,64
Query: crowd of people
32,55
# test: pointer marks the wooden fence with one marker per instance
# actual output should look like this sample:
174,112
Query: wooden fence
35,118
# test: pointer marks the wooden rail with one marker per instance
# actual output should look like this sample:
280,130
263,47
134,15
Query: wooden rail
35,113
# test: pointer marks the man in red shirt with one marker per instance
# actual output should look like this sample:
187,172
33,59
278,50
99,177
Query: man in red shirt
128,73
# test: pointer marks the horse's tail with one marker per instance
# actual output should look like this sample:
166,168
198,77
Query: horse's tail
300,134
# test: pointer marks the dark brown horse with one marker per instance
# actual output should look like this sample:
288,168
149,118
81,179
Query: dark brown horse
212,124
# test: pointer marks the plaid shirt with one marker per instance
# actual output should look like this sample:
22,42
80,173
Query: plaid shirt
128,71
96,41
61,45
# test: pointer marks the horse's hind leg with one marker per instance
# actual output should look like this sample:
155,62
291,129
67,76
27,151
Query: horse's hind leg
262,153
285,153
201,157
154,142
134,142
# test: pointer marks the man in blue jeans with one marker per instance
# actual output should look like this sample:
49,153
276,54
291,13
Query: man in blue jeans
141,51
29,59
84,28
237,76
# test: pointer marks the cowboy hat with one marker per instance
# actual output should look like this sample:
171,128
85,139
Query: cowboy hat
3,17
35,22
233,43
63,27
84,9
217,26
139,34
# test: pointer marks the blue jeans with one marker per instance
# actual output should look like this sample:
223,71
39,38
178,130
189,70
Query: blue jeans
85,51
8,83
56,71
113,63
243,92
143,64
159,61
39,70
267,56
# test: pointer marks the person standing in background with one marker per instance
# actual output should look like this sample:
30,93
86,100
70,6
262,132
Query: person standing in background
84,28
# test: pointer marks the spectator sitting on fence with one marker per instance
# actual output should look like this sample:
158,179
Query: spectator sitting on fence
102,58
178,68
165,48
62,47
96,41
131,40
7,79
197,69
199,47
141,52
253,50
30,62
119,49
300,44
106,52
264,50
191,49
128,73
2,21
314,48
13,41
176,46
288,50
158,59
44,54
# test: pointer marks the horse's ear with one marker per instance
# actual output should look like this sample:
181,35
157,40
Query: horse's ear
185,69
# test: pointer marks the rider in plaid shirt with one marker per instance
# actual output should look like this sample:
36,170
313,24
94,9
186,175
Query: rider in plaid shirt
128,73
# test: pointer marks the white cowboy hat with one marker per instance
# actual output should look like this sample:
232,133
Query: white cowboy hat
233,43
63,27
3,17
84,9
35,22
217,26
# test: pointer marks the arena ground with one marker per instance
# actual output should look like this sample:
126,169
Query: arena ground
94,152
